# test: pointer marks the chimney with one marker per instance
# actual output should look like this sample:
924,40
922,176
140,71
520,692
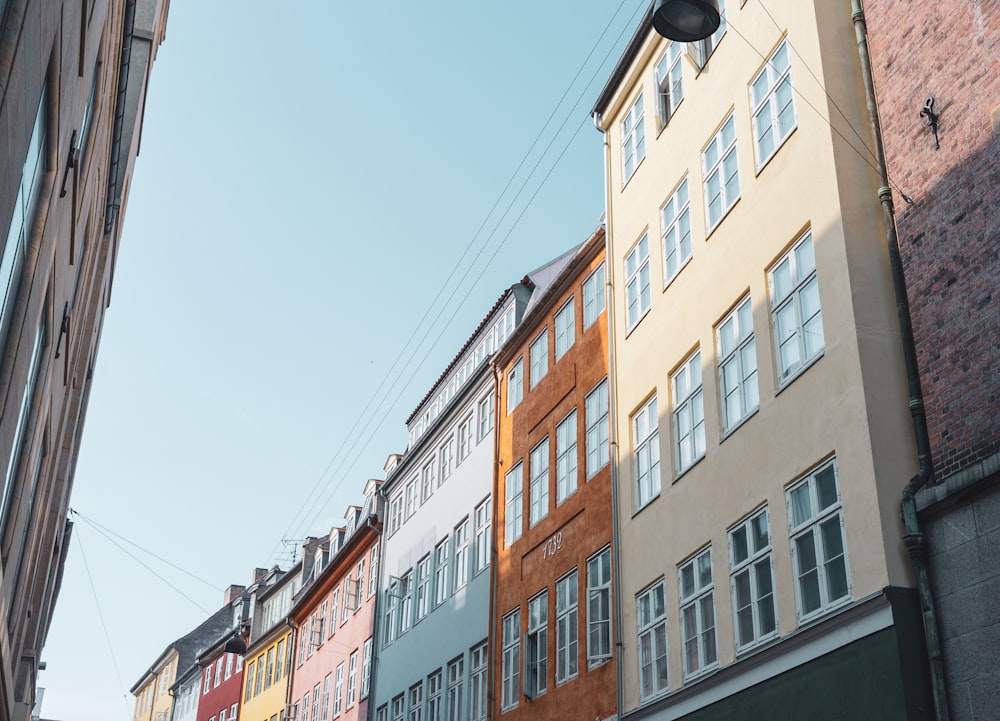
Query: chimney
232,593
258,574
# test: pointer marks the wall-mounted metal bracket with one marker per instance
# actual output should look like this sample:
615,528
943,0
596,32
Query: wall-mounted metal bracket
932,120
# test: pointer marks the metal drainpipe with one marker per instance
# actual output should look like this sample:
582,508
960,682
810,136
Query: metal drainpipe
111,207
494,532
612,395
370,710
913,538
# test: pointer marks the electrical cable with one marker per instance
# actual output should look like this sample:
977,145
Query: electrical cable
469,270
104,627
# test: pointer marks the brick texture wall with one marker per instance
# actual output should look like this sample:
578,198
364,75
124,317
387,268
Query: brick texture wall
950,234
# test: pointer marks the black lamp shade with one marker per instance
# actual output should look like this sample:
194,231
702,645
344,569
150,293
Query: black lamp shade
236,645
686,20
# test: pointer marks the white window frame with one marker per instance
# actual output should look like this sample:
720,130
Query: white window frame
434,695
466,437
638,296
751,568
416,699
675,220
423,586
565,327
688,412
461,536
538,489
813,526
536,645
440,573
513,519
446,459
633,132
701,50
599,633
594,297
483,526
406,602
769,88
428,479
669,79
338,690
699,646
737,354
646,453
515,385
398,707
511,660
567,458
538,354
651,622
478,683
366,668
791,301
485,415
720,165
567,627
596,419
456,677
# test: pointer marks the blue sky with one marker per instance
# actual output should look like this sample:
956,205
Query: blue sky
306,183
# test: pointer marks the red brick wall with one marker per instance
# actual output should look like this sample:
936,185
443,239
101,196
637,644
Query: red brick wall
950,235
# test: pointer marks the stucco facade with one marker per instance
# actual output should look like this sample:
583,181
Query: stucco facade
66,165
552,634
761,436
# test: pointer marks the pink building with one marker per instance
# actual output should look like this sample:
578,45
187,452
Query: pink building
333,615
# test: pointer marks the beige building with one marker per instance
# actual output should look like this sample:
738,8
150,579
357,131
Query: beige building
73,79
761,433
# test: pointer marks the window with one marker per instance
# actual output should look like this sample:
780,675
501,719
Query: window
406,602
513,489
515,385
539,486
434,696
817,530
325,705
593,296
360,585
795,309
229,666
208,679
646,441
392,597
465,437
511,660
565,328
483,525
279,661
456,673
232,712
566,468
461,553
334,609
395,513
697,613
737,365
350,598
305,706
320,626
485,416
259,684
398,707
773,104
416,702
478,683
596,417
446,454
689,413
633,139
536,645
428,479
222,714
373,574
218,671
15,249
669,84
410,499
382,713
423,586
651,610
315,706
702,50
352,678
269,676
441,572
599,608
675,217
366,669
720,165
539,356
753,583
567,627
637,298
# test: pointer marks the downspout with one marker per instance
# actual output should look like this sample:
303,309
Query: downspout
112,206
492,632
612,395
370,710
913,538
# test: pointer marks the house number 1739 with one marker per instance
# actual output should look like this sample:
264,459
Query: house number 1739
552,545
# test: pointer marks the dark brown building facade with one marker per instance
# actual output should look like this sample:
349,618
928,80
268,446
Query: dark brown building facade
72,87
552,606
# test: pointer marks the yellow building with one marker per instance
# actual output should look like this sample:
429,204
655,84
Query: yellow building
761,438
152,700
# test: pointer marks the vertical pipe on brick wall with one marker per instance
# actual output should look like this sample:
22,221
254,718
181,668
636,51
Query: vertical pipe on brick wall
491,630
913,538
112,206
612,441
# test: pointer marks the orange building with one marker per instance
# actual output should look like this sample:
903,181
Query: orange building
552,635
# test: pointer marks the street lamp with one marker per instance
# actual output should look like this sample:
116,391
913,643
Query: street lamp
686,20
